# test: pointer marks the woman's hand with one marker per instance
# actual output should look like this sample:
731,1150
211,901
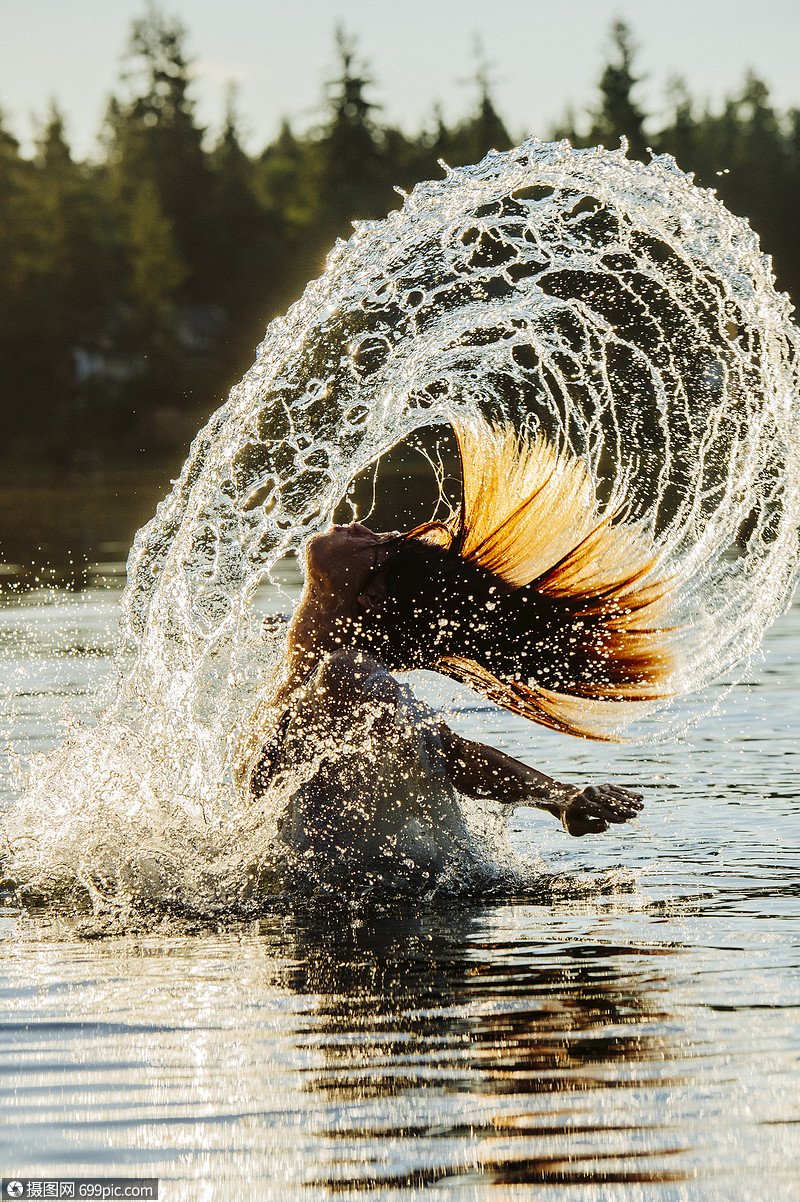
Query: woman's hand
591,810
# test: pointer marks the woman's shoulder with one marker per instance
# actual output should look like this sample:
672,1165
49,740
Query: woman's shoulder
349,674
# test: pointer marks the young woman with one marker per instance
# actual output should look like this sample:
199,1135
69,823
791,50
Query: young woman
528,593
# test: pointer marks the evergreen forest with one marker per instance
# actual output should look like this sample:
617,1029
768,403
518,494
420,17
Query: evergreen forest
135,287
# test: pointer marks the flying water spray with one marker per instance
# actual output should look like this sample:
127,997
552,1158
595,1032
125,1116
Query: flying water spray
612,306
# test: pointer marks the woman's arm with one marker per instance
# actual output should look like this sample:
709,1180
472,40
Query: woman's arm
482,771
346,680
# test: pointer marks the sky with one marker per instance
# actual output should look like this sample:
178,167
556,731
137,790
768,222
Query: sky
543,56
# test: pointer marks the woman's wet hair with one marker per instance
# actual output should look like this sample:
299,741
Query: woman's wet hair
528,592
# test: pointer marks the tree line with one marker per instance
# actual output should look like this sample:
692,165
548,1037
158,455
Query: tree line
134,287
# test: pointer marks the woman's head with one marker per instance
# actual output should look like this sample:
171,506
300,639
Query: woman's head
339,563
341,559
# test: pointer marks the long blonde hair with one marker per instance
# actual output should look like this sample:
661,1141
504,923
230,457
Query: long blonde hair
532,593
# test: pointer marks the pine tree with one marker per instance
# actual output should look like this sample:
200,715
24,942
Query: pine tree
79,236
283,182
153,135
679,138
248,246
12,217
789,251
287,187
156,270
352,173
240,224
485,130
753,171
19,309
618,115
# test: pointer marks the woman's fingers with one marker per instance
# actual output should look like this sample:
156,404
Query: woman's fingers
593,808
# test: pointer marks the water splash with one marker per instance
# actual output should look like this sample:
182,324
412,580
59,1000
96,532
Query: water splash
613,305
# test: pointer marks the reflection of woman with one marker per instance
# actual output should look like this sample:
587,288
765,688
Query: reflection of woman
527,593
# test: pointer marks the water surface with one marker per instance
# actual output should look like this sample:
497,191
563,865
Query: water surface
630,1031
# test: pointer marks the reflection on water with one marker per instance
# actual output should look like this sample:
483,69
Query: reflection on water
633,1034
517,1044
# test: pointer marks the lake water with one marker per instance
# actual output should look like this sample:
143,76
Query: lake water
630,1031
